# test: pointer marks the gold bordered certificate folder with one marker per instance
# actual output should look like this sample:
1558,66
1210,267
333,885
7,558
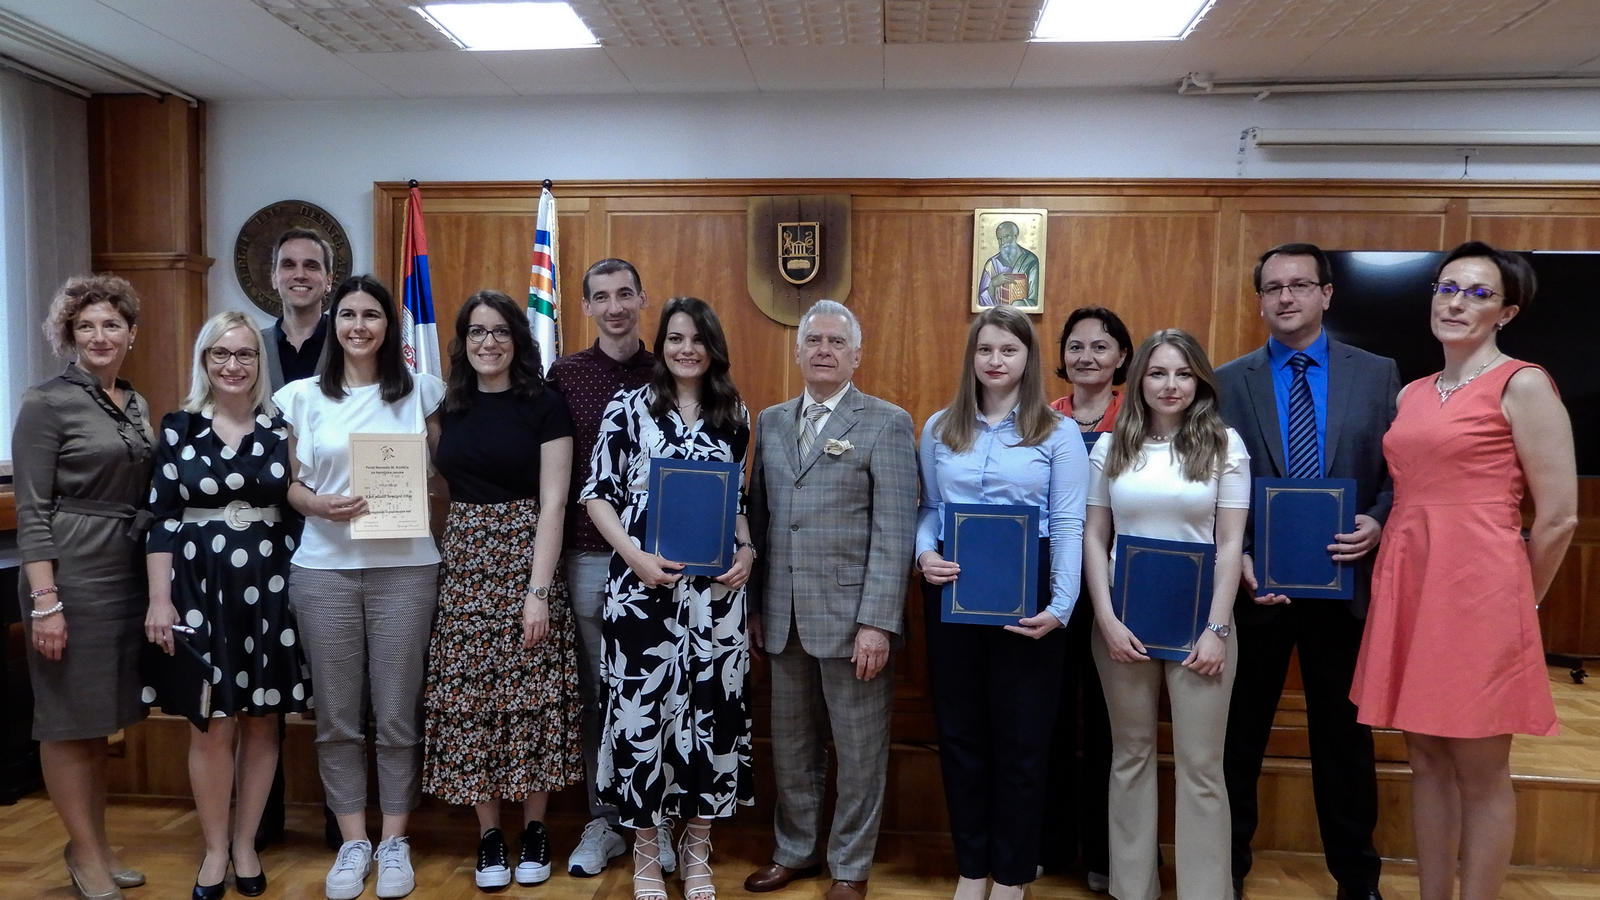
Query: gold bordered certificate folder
997,547
689,516
1162,592
1296,519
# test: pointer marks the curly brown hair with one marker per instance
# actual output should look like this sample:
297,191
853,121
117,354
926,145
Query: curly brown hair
80,292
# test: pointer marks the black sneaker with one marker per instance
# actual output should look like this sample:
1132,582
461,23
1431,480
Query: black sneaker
493,872
533,863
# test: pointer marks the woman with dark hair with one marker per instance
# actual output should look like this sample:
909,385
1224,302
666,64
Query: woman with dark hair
365,607
1451,654
1170,470
501,704
995,690
1095,347
82,454
676,739
217,555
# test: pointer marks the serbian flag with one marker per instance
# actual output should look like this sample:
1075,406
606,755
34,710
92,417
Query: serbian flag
419,334
544,303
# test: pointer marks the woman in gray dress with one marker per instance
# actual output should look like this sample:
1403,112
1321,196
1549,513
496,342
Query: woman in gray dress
82,455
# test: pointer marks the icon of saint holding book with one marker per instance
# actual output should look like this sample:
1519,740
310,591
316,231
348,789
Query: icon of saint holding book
1011,276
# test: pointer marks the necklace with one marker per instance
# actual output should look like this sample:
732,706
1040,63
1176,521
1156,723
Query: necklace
1158,438
1445,392
1095,421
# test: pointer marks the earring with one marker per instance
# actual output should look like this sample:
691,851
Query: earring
1499,326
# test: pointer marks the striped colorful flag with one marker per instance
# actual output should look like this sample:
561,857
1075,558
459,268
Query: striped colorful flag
419,334
544,301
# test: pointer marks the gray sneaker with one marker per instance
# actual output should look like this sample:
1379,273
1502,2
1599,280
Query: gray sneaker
599,844
395,877
348,877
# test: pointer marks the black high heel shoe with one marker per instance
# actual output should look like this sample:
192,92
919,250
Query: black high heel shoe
210,891
248,885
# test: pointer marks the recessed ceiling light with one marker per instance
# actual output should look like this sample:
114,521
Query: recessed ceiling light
1124,20
509,26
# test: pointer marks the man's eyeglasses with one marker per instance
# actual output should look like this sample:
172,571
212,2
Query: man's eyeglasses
1299,290
477,333
1477,292
221,356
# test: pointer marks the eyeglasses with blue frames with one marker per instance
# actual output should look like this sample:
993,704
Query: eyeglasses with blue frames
1477,293
1299,290
477,334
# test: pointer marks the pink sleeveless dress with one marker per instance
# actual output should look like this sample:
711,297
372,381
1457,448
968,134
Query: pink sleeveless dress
1452,645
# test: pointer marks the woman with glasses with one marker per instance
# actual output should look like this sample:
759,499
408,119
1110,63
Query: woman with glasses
501,703
82,452
218,558
1171,470
365,606
1451,654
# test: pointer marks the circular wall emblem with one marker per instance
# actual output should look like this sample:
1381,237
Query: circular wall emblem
252,252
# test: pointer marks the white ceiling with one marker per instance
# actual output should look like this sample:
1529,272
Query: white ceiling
332,49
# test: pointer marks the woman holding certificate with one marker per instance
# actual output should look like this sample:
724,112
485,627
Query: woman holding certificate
501,704
995,689
676,740
1172,471
1451,654
218,553
82,451
364,604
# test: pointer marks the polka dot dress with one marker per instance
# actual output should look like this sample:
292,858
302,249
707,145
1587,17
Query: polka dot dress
228,583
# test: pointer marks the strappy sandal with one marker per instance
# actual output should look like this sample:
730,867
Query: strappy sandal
694,862
645,885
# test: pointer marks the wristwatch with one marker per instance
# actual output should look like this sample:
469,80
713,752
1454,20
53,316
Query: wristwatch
740,545
1221,629
540,593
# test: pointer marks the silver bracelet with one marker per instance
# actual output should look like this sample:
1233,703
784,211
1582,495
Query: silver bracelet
47,613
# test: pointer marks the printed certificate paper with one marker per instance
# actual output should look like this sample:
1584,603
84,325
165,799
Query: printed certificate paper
391,472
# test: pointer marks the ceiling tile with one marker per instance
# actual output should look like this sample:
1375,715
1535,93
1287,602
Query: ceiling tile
431,73
669,69
583,70
1091,65
951,65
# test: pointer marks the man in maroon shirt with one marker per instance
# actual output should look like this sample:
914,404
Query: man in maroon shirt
613,298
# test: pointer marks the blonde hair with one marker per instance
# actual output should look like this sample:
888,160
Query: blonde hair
201,398
80,292
1035,419
1201,443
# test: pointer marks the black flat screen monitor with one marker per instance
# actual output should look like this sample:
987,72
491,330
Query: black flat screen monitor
1381,301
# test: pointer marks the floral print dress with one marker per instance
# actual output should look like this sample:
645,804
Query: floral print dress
676,735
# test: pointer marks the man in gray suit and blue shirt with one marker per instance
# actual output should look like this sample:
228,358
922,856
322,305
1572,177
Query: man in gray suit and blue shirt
833,505
1309,407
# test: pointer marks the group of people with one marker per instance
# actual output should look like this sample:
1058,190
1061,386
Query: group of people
544,645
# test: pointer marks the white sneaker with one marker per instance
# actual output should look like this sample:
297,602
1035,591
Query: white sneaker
599,844
348,877
395,877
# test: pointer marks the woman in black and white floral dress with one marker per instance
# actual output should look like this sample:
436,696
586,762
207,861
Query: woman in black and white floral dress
218,558
676,741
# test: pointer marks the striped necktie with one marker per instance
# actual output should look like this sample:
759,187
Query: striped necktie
1303,460
808,434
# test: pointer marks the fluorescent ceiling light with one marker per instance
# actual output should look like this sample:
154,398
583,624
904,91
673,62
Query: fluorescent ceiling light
509,26
1123,20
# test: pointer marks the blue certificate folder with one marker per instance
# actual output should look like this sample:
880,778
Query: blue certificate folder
1296,519
689,516
997,547
1162,592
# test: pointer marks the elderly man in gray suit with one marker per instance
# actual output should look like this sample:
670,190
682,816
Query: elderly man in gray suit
833,503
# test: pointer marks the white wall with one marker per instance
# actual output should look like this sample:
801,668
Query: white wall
330,153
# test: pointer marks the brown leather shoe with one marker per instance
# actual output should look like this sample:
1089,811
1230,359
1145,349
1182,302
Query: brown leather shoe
772,876
846,890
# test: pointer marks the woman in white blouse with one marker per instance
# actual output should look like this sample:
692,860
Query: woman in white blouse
1170,470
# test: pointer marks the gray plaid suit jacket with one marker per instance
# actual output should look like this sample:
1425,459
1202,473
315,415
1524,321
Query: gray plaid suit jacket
835,532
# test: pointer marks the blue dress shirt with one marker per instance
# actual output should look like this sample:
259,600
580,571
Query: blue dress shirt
1316,379
1053,476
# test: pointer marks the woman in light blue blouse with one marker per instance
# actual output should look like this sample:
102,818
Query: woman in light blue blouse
995,689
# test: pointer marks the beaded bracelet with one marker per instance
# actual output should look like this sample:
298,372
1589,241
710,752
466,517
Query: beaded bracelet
47,613
41,592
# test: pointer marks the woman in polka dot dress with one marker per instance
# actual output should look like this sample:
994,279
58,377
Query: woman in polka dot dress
218,558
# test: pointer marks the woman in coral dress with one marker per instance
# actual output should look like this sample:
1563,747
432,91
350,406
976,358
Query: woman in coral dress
1451,654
